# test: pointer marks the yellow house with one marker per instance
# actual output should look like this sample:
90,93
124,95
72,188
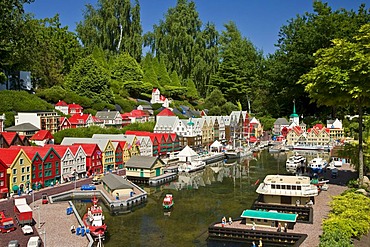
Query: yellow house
108,157
117,186
206,131
19,169
144,168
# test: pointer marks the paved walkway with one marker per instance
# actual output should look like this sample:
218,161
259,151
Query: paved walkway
55,225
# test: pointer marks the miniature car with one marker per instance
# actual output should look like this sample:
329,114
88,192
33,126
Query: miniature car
13,243
27,229
44,198
34,242
88,187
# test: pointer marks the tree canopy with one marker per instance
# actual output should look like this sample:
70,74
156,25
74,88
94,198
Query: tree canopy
342,77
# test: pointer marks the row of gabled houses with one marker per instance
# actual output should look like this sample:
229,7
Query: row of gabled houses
296,132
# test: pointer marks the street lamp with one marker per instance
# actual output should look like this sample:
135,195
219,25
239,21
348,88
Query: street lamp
38,213
44,233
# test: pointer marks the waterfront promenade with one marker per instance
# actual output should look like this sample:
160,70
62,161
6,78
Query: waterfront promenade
321,209
53,218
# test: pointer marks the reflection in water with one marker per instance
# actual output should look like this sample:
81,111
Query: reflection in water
201,198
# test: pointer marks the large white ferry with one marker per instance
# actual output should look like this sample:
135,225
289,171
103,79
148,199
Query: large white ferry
283,189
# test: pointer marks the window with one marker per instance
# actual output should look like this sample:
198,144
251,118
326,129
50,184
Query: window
14,180
33,176
51,156
33,168
40,167
23,178
1,174
28,177
56,164
23,170
28,169
40,174
21,162
57,171
14,171
1,183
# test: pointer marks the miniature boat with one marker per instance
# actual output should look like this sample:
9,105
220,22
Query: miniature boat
317,165
168,201
94,220
294,162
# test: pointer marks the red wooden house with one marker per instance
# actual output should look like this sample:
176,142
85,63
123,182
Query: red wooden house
46,165
74,109
118,153
4,189
8,139
42,137
94,163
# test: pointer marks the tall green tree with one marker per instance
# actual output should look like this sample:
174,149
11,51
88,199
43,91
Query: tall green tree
179,41
11,26
298,40
125,68
163,76
342,77
175,80
236,76
113,25
89,79
49,51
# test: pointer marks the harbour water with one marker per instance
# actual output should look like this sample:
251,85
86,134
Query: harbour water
201,198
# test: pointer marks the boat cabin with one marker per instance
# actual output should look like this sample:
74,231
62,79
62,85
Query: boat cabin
269,218
289,190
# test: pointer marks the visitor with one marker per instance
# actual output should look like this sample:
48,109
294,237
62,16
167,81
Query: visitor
253,226
73,229
254,244
223,221
230,221
279,228
260,243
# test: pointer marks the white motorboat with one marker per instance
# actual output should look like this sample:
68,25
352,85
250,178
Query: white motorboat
295,161
317,165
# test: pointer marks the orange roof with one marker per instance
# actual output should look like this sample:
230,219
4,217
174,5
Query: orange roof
42,135
61,103
9,136
8,155
166,112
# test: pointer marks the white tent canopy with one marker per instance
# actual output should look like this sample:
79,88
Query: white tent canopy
187,154
216,144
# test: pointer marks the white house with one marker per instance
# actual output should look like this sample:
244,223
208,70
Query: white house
158,98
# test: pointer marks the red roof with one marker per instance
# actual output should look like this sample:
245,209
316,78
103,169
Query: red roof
138,113
74,106
60,149
31,150
8,155
9,136
97,120
88,148
121,143
166,112
61,103
42,135
78,118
